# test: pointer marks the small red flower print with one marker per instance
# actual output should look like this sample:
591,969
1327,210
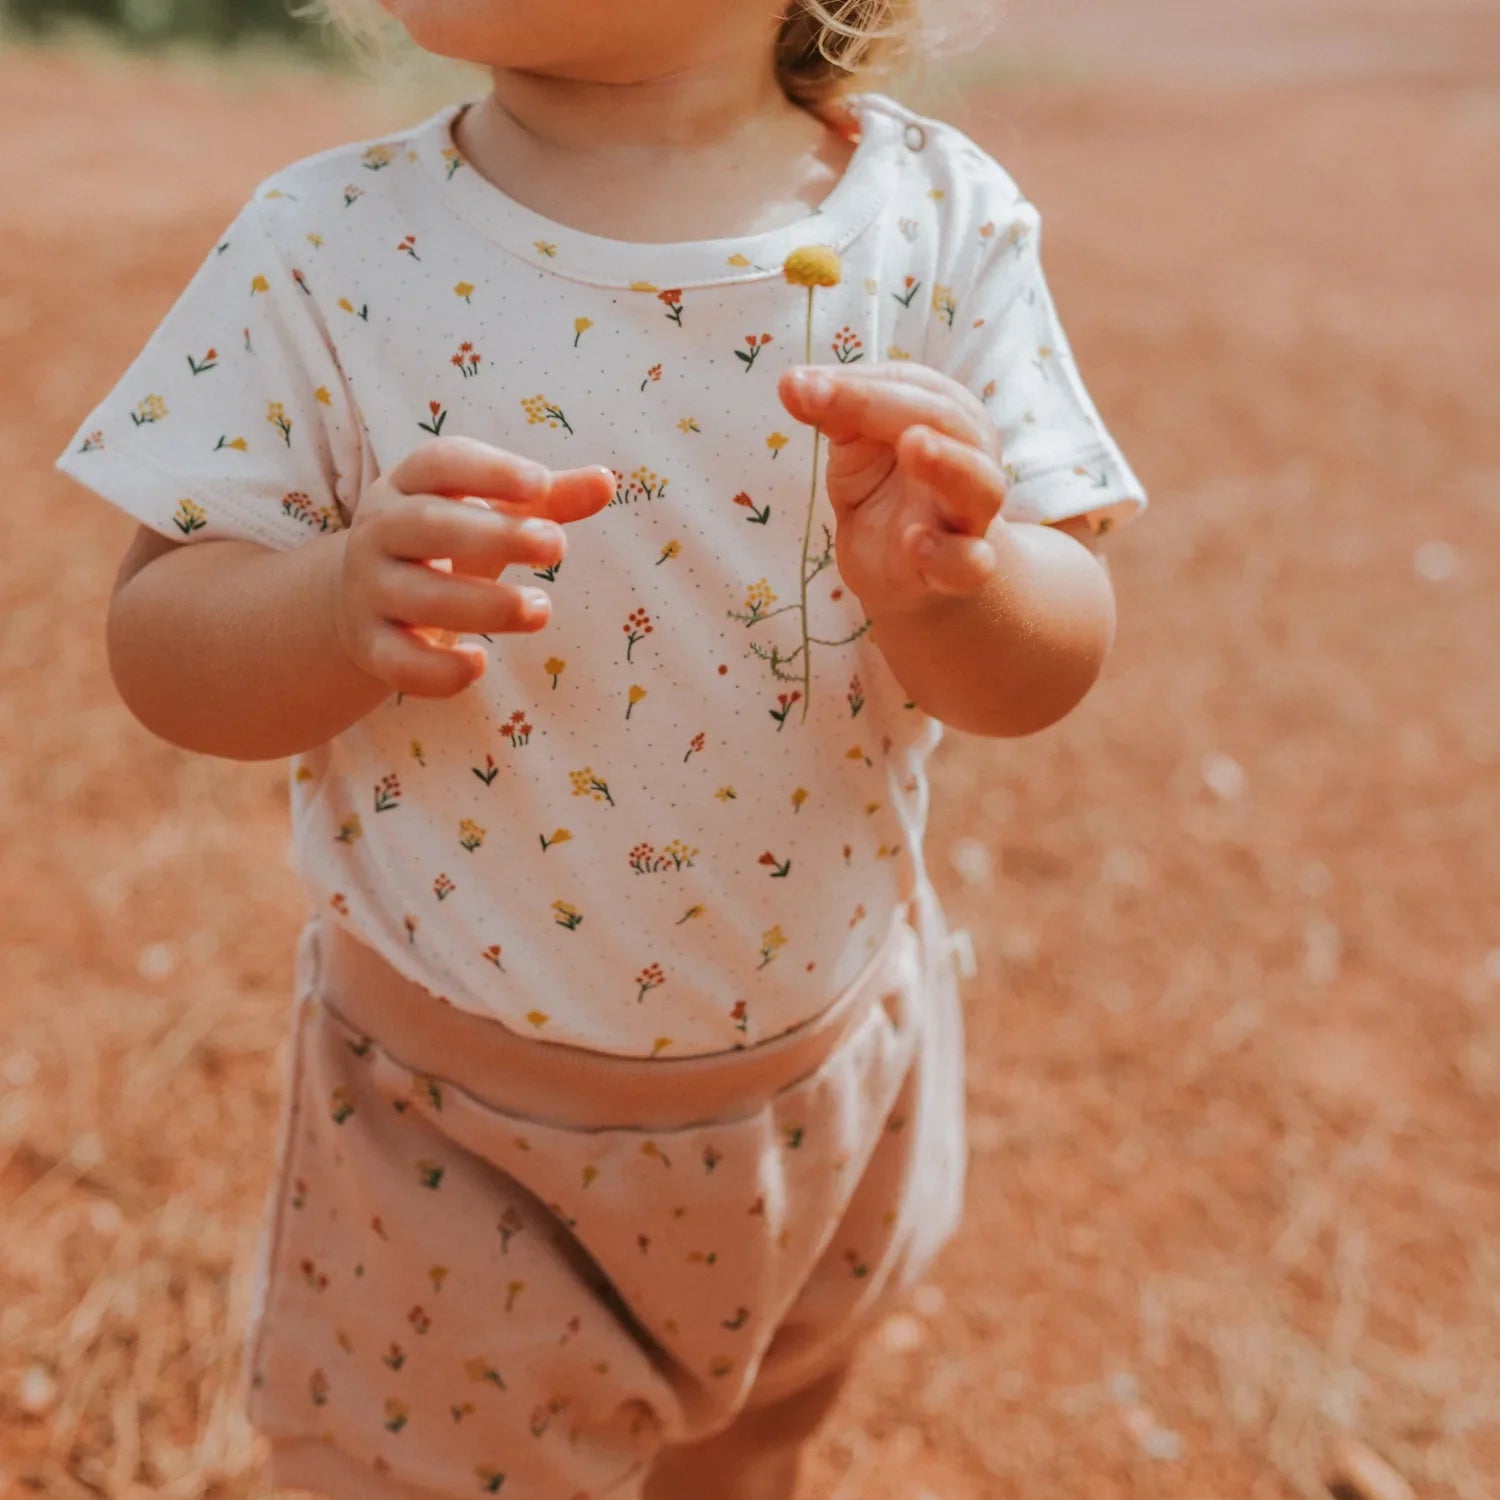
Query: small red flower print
301,281
340,903
492,955
856,696
439,416
755,342
780,869
411,924
352,195
95,440
510,1226
848,347
758,515
673,302
517,728
466,361
387,793
637,626
740,1015
317,1388
694,745
488,772
913,286
648,979
653,374
442,888
419,1320
837,594
784,703
408,246
199,366
848,850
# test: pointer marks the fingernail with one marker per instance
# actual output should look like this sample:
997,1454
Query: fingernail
535,602
540,531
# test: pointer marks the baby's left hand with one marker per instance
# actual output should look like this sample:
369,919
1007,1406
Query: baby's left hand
914,477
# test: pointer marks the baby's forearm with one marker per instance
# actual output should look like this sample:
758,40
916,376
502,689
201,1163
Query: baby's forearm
1018,655
231,649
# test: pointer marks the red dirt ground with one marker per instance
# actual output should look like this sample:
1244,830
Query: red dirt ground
1235,1049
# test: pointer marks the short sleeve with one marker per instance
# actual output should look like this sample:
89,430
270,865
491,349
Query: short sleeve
1009,349
234,421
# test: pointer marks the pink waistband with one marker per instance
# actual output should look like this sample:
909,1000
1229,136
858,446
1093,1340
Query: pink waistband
572,1086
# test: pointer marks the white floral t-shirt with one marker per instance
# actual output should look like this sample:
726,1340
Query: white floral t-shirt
677,820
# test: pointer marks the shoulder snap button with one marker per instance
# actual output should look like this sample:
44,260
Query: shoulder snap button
916,137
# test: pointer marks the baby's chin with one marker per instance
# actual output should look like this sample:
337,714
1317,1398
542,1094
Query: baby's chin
526,35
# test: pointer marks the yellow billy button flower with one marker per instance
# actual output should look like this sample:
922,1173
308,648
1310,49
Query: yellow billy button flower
813,265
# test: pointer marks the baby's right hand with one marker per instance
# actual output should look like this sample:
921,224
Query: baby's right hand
399,611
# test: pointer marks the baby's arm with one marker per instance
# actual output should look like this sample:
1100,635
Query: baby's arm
233,649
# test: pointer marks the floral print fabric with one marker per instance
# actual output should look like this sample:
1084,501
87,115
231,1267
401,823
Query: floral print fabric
671,823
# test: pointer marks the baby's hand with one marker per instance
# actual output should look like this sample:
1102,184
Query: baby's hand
913,475
419,568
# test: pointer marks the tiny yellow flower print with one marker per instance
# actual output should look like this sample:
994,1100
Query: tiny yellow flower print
318,1387
813,265
652,1152
660,1045
316,241
395,1415
688,915
512,1291
739,260
871,808
479,1370
758,599
151,409
580,327
470,834
352,195
559,836
238,444
644,286
304,772
587,784
259,284
856,752
464,289
671,550
189,517
634,696
554,667
872,287
888,851
798,798
452,160
340,1105
647,482
772,941
277,417
943,304
540,409
437,1275
538,1018
274,193
936,194
322,396
378,157
416,752
688,424
897,352
566,915
726,794
350,829
776,442
545,247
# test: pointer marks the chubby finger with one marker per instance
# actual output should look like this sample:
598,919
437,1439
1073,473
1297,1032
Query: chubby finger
478,539
848,407
969,485
416,595
456,466
411,664
948,563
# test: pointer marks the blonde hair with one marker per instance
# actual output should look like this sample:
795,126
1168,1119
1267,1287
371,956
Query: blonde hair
822,49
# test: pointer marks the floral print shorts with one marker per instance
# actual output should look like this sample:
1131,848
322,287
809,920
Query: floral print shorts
495,1264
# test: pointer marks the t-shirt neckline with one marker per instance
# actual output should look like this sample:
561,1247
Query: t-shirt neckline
850,207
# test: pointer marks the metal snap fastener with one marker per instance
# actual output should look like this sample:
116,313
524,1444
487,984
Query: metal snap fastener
916,137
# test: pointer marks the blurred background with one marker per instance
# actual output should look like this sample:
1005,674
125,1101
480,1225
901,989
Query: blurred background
1234,1213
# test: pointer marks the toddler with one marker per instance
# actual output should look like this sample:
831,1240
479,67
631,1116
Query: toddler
604,491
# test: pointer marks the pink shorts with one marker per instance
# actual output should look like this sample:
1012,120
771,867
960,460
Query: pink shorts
496,1263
